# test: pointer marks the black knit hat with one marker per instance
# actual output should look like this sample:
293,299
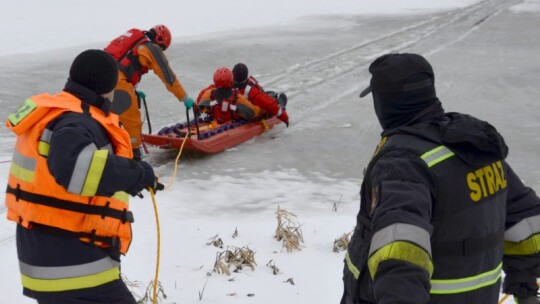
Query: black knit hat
400,73
95,70
240,72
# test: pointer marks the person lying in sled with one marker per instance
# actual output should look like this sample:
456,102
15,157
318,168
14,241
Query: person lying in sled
224,103
272,102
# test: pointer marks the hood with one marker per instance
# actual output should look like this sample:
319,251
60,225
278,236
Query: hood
475,141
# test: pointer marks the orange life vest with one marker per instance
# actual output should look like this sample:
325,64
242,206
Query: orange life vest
35,200
124,49
223,108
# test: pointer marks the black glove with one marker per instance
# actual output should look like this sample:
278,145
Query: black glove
157,186
149,180
529,300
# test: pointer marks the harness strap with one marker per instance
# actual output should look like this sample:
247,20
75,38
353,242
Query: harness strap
113,242
103,211
467,247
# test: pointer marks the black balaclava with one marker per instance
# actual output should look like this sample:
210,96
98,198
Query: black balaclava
402,86
240,75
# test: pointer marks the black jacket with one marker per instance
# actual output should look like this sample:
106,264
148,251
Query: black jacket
72,132
437,202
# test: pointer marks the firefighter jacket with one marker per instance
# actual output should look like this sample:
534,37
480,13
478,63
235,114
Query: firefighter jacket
69,178
441,214
254,92
226,104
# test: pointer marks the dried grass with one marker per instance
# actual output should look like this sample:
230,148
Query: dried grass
288,230
236,258
341,243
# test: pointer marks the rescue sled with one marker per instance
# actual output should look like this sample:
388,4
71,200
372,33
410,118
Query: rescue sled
207,137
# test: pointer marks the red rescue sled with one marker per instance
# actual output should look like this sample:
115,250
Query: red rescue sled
209,138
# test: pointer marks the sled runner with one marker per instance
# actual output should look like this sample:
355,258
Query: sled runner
208,137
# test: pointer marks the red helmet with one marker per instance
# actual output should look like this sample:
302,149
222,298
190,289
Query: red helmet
223,78
163,36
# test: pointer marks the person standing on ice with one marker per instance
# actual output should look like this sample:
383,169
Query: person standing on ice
223,102
273,103
68,188
137,52
442,213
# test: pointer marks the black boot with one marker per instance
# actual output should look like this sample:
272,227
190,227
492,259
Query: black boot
282,100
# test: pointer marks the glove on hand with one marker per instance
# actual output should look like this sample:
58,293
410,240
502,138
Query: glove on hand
529,300
149,180
189,103
284,117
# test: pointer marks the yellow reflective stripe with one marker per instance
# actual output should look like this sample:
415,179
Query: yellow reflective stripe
437,155
526,247
26,108
97,165
23,167
71,283
401,232
21,173
122,196
43,148
351,266
466,284
403,251
44,142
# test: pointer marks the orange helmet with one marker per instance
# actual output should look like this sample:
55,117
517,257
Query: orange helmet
163,36
223,78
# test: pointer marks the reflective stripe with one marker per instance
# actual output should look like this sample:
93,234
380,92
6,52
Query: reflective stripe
247,90
23,167
44,142
26,108
351,266
84,159
122,196
61,278
436,155
43,148
523,230
95,172
233,107
403,251
62,272
213,103
466,284
133,140
46,135
401,232
527,247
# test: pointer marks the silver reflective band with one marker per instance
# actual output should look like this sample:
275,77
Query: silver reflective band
23,161
247,90
84,159
466,284
436,155
46,136
63,272
523,230
401,232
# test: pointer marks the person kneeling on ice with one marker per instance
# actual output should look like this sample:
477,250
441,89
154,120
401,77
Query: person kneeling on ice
272,102
224,103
